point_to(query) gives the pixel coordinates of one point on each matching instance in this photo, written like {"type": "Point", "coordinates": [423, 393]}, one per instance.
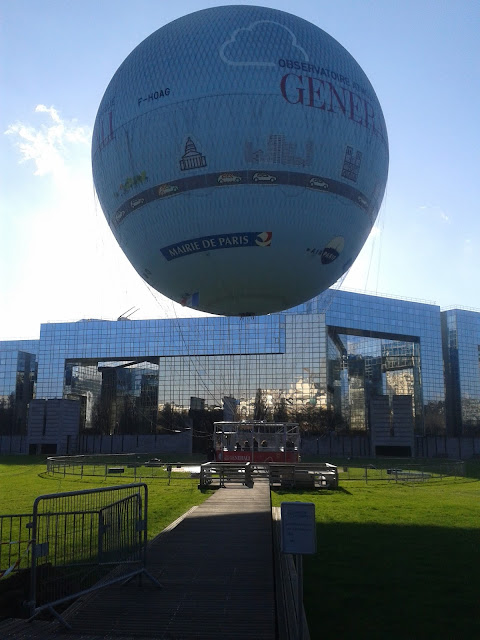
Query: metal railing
{"type": "Point", "coordinates": [293, 475]}
{"type": "Point", "coordinates": [216, 474]}
{"type": "Point", "coordinates": [15, 543]}
{"type": "Point", "coordinates": [303, 475]}
{"type": "Point", "coordinates": [402, 471]}
{"type": "Point", "coordinates": [130, 467]}
{"type": "Point", "coordinates": [86, 540]}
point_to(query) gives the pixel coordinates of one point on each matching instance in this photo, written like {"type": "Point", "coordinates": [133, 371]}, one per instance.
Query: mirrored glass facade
{"type": "Point", "coordinates": [362, 367]}
{"type": "Point", "coordinates": [461, 343]}
{"type": "Point", "coordinates": [325, 364]}
{"type": "Point", "coordinates": [412, 329]}
{"type": "Point", "coordinates": [17, 384]}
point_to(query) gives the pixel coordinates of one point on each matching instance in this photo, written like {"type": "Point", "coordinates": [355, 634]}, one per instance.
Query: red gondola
{"type": "Point", "coordinates": [256, 441]}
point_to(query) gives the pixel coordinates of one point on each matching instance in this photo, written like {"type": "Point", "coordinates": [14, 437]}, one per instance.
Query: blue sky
{"type": "Point", "coordinates": [58, 258]}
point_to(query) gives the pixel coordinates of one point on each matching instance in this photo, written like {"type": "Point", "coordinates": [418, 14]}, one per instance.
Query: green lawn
{"type": "Point", "coordinates": [23, 478]}
{"type": "Point", "coordinates": [394, 561]}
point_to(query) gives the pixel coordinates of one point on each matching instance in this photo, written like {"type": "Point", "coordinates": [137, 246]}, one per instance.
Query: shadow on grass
{"type": "Point", "coordinates": [396, 582]}
{"type": "Point", "coordinates": [472, 468]}
{"type": "Point", "coordinates": [308, 493]}
{"type": "Point", "coordinates": [343, 490]}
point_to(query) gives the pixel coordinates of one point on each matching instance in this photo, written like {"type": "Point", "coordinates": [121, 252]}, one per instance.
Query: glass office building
{"type": "Point", "coordinates": [325, 363]}
{"type": "Point", "coordinates": [18, 373]}
{"type": "Point", "coordinates": [461, 344]}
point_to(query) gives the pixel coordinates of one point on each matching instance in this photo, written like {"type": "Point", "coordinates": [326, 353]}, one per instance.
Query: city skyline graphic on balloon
{"type": "Point", "coordinates": [240, 156]}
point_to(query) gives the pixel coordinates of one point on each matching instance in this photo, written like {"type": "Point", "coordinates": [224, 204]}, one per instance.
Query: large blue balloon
{"type": "Point", "coordinates": [240, 156]}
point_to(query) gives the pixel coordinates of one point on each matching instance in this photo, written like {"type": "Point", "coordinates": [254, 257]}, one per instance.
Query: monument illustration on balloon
{"type": "Point", "coordinates": [240, 156]}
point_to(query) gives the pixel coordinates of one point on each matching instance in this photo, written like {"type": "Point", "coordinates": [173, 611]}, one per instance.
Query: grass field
{"type": "Point", "coordinates": [394, 561]}
{"type": "Point", "coordinates": [397, 561]}
{"type": "Point", "coordinates": [24, 478]}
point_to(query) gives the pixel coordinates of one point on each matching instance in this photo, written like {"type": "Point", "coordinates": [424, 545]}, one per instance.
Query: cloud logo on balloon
{"type": "Point", "coordinates": [252, 39]}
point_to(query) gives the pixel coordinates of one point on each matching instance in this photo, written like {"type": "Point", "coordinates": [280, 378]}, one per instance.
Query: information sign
{"type": "Point", "coordinates": [298, 527]}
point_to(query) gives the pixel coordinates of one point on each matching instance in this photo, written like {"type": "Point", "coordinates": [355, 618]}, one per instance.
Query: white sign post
{"type": "Point", "coordinates": [298, 537]}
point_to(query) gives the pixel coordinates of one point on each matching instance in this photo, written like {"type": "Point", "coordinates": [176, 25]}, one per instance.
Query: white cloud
{"type": "Point", "coordinates": [48, 146]}
{"type": "Point", "coordinates": [41, 108]}
{"type": "Point", "coordinates": [467, 247]}
{"type": "Point", "coordinates": [70, 266]}
{"type": "Point", "coordinates": [434, 210]}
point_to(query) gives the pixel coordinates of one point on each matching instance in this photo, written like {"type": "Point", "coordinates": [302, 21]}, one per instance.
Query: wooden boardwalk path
{"type": "Point", "coordinates": [216, 568]}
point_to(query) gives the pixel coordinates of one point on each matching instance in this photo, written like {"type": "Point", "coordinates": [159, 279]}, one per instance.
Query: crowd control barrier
{"type": "Point", "coordinates": [86, 540]}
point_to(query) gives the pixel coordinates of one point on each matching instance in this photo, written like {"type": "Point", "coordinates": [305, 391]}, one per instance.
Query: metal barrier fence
{"type": "Point", "coordinates": [294, 475]}
{"type": "Point", "coordinates": [15, 543]}
{"type": "Point", "coordinates": [216, 474]}
{"type": "Point", "coordinates": [402, 471]}
{"type": "Point", "coordinates": [301, 475]}
{"type": "Point", "coordinates": [86, 540]}
{"type": "Point", "coordinates": [132, 467]}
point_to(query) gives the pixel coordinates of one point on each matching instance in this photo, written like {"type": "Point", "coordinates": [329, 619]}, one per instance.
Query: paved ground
{"type": "Point", "coordinates": [216, 568]}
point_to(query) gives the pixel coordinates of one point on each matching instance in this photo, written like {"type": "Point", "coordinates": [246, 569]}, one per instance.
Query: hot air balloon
{"type": "Point", "coordinates": [240, 156]}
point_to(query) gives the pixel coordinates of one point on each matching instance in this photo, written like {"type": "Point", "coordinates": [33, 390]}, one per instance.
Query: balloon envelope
{"type": "Point", "coordinates": [240, 156]}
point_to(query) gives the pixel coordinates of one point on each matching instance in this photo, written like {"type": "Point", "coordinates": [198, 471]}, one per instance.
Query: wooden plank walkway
{"type": "Point", "coordinates": [216, 568]}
